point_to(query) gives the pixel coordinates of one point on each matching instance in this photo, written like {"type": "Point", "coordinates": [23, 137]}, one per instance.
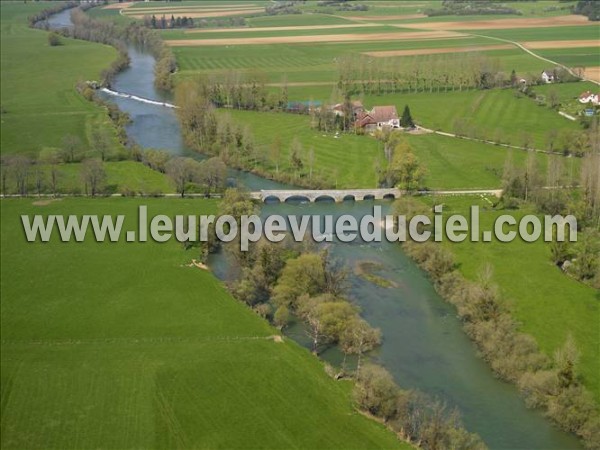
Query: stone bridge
{"type": "Point", "coordinates": [338, 195]}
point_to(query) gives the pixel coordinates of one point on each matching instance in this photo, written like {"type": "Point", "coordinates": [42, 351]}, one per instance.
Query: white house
{"type": "Point", "coordinates": [548, 76]}
{"type": "Point", "coordinates": [588, 97]}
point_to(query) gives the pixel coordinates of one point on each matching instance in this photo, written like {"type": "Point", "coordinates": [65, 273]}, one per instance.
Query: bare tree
{"type": "Point", "coordinates": [71, 146]}
{"type": "Point", "coordinates": [359, 337]}
{"type": "Point", "coordinates": [93, 175]}
{"type": "Point", "coordinates": [183, 171]}
{"type": "Point", "coordinates": [20, 166]}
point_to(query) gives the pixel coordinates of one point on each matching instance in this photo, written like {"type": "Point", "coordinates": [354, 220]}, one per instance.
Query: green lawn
{"type": "Point", "coordinates": [39, 102]}
{"type": "Point", "coordinates": [124, 346]}
{"type": "Point", "coordinates": [547, 304]}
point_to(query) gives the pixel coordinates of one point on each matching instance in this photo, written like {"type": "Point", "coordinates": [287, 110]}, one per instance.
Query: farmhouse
{"type": "Point", "coordinates": [588, 97]}
{"type": "Point", "coordinates": [357, 109]}
{"type": "Point", "coordinates": [549, 76]}
{"type": "Point", "coordinates": [379, 117]}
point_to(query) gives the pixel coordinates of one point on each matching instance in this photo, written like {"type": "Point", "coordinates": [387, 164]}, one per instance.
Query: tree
{"type": "Point", "coordinates": [52, 159]}
{"type": "Point", "coordinates": [406, 121]}
{"type": "Point", "coordinates": [553, 98]}
{"type": "Point", "coordinates": [281, 317]}
{"type": "Point", "coordinates": [212, 173]}
{"type": "Point", "coordinates": [295, 156]}
{"type": "Point", "coordinates": [182, 171]}
{"type": "Point", "coordinates": [101, 143]}
{"type": "Point", "coordinates": [376, 392]}
{"type": "Point", "coordinates": [20, 165]}
{"type": "Point", "coordinates": [302, 275]}
{"type": "Point", "coordinates": [71, 146]}
{"type": "Point", "coordinates": [405, 168]}
{"type": "Point", "coordinates": [359, 337]}
{"type": "Point", "coordinates": [93, 175]}
{"type": "Point", "coordinates": [54, 39]}
{"type": "Point", "coordinates": [565, 360]}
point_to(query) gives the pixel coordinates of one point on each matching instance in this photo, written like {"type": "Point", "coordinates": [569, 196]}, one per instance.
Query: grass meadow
{"type": "Point", "coordinates": [39, 102]}
{"type": "Point", "coordinates": [548, 304]}
{"type": "Point", "coordinates": [487, 113]}
{"type": "Point", "coordinates": [122, 345]}
{"type": "Point", "coordinates": [349, 161]}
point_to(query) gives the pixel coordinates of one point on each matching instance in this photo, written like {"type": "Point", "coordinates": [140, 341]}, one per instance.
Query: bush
{"type": "Point", "coordinates": [54, 39]}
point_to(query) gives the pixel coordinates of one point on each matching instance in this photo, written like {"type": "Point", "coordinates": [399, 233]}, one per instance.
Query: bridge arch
{"type": "Point", "coordinates": [369, 197]}
{"type": "Point", "coordinates": [325, 198]}
{"type": "Point", "coordinates": [271, 199]}
{"type": "Point", "coordinates": [349, 198]}
{"type": "Point", "coordinates": [389, 196]}
{"type": "Point", "coordinates": [299, 198]}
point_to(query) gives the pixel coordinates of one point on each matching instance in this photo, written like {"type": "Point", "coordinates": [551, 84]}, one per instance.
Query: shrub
{"type": "Point", "coordinates": [54, 39]}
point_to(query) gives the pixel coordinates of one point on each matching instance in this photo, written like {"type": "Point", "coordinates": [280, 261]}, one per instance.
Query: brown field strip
{"type": "Point", "coordinates": [592, 73]}
{"type": "Point", "coordinates": [333, 38]}
{"type": "Point", "coordinates": [534, 45]}
{"type": "Point", "coordinates": [192, 10]}
{"type": "Point", "coordinates": [434, 51]}
{"type": "Point", "coordinates": [192, 7]}
{"type": "Point", "coordinates": [201, 15]}
{"type": "Point", "coordinates": [288, 28]}
{"type": "Point", "coordinates": [541, 45]}
{"type": "Point", "coordinates": [390, 17]}
{"type": "Point", "coordinates": [500, 24]}
{"type": "Point", "coordinates": [119, 5]}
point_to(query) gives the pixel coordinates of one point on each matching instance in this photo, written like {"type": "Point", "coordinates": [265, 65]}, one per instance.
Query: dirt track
{"type": "Point", "coordinates": [288, 28]}
{"type": "Point", "coordinates": [318, 38]}
{"type": "Point", "coordinates": [500, 24]}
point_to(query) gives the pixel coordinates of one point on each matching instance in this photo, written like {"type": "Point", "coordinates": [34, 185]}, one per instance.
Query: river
{"type": "Point", "coordinates": [424, 346]}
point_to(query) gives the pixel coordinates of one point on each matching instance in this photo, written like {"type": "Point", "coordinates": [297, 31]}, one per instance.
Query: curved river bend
{"type": "Point", "coordinates": [424, 346]}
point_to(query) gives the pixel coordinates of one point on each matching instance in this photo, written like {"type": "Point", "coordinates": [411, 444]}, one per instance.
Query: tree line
{"type": "Point", "coordinates": [48, 173]}
{"type": "Point", "coordinates": [548, 194]}
{"type": "Point", "coordinates": [288, 281]}
{"type": "Point", "coordinates": [470, 8]}
{"type": "Point", "coordinates": [425, 73]}
{"type": "Point", "coordinates": [162, 23]}
{"type": "Point", "coordinates": [552, 384]}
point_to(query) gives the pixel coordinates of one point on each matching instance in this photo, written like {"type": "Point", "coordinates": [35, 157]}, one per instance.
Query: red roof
{"type": "Point", "coordinates": [384, 113]}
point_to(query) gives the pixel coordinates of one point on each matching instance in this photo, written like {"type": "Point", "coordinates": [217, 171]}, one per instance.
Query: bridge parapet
{"type": "Point", "coordinates": [338, 195]}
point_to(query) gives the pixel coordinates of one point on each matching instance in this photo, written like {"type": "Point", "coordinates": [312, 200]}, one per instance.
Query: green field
{"type": "Point", "coordinates": [349, 161]}
{"type": "Point", "coordinates": [547, 304]}
{"type": "Point", "coordinates": [296, 20]}
{"type": "Point", "coordinates": [571, 33]}
{"type": "Point", "coordinates": [39, 102]}
{"type": "Point", "coordinates": [121, 177]}
{"type": "Point", "coordinates": [575, 57]}
{"type": "Point", "coordinates": [124, 346]}
{"type": "Point", "coordinates": [487, 113]}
